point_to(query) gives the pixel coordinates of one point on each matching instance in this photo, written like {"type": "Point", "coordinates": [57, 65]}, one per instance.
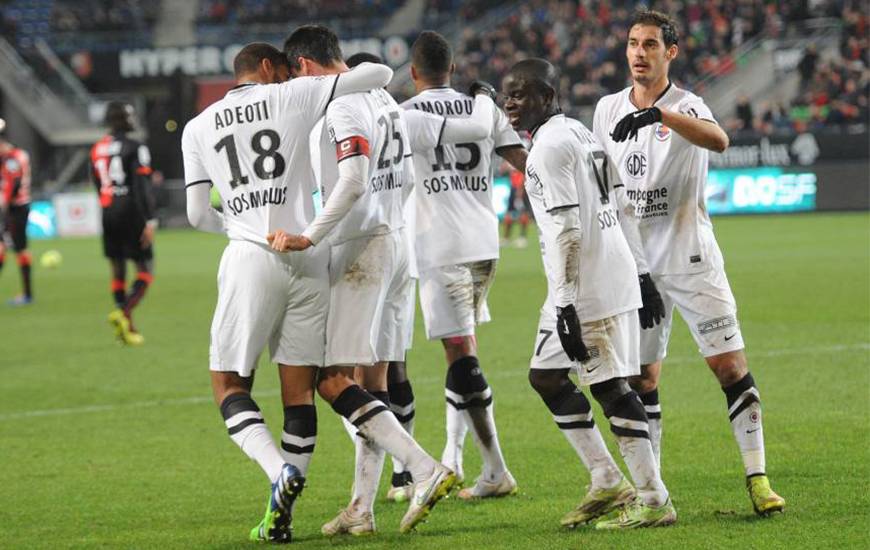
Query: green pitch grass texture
{"type": "Point", "coordinates": [103, 446]}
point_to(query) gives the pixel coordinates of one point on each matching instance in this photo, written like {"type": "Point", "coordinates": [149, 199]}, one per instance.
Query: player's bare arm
{"type": "Point", "coordinates": [516, 156]}
{"type": "Point", "coordinates": [700, 132]}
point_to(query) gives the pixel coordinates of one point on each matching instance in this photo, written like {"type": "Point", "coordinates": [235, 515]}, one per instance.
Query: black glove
{"type": "Point", "coordinates": [481, 87]}
{"type": "Point", "coordinates": [568, 327]}
{"type": "Point", "coordinates": [629, 125]}
{"type": "Point", "coordinates": [653, 310]}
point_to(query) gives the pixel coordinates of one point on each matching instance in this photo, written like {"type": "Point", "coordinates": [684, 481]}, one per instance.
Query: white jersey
{"type": "Point", "coordinates": [567, 168]}
{"type": "Point", "coordinates": [665, 175]}
{"type": "Point", "coordinates": [456, 219]}
{"type": "Point", "coordinates": [251, 144]}
{"type": "Point", "coordinates": [376, 118]}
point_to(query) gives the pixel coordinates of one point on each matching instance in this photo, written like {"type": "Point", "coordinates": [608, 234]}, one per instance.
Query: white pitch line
{"type": "Point", "coordinates": [197, 400]}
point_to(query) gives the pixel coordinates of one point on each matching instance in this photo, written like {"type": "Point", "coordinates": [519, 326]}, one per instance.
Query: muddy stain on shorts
{"type": "Point", "coordinates": [598, 335]}
{"type": "Point", "coordinates": [368, 268]}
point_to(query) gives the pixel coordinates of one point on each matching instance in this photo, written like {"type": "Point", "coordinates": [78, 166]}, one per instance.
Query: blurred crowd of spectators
{"type": "Point", "coordinates": [586, 39]}
{"type": "Point", "coordinates": [277, 11]}
{"type": "Point", "coordinates": [103, 15]}
{"type": "Point", "coordinates": [833, 91]}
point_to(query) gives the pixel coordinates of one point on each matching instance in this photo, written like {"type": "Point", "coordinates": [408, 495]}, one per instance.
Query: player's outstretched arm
{"type": "Point", "coordinates": [362, 78]}
{"type": "Point", "coordinates": [697, 131]}
{"type": "Point", "coordinates": [515, 155]}
{"type": "Point", "coordinates": [427, 130]}
{"type": "Point", "coordinates": [200, 214]}
{"type": "Point", "coordinates": [474, 128]}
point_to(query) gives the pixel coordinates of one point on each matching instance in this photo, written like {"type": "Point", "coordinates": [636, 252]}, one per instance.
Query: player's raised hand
{"type": "Point", "coordinates": [653, 310]}
{"type": "Point", "coordinates": [568, 327]}
{"type": "Point", "coordinates": [482, 87]}
{"type": "Point", "coordinates": [628, 127]}
{"type": "Point", "coordinates": [284, 242]}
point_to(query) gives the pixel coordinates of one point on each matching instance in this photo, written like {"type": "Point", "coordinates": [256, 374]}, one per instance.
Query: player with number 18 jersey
{"type": "Point", "coordinates": [253, 146]}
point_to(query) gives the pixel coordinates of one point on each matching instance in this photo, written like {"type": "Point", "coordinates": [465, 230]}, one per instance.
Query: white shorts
{"type": "Point", "coordinates": [368, 300]}
{"type": "Point", "coordinates": [612, 344]}
{"type": "Point", "coordinates": [268, 298]}
{"type": "Point", "coordinates": [706, 304]}
{"type": "Point", "coordinates": [453, 298]}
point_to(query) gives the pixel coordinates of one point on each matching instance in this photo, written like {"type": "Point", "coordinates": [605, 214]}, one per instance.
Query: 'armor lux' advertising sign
{"type": "Point", "coordinates": [794, 150]}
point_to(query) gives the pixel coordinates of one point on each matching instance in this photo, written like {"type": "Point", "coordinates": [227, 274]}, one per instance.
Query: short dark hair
{"type": "Point", "coordinates": [431, 55]}
{"type": "Point", "coordinates": [314, 42]}
{"type": "Point", "coordinates": [118, 116]}
{"type": "Point", "coordinates": [657, 19]}
{"type": "Point", "coordinates": [249, 57]}
{"type": "Point", "coordinates": [362, 57]}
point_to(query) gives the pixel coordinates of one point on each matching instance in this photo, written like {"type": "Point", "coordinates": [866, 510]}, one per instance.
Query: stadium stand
{"type": "Point", "coordinates": [586, 40]}
{"type": "Point", "coordinates": [833, 91]}
{"type": "Point", "coordinates": [272, 11]}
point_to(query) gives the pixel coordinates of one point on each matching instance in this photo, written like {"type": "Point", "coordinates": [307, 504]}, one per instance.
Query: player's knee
{"type": "Point", "coordinates": [548, 383]}
{"type": "Point", "coordinates": [225, 384]}
{"type": "Point", "coordinates": [729, 368]}
{"type": "Point", "coordinates": [610, 394]}
{"type": "Point", "coordinates": [331, 383]}
{"type": "Point", "coordinates": [642, 384]}
{"type": "Point", "coordinates": [457, 347]}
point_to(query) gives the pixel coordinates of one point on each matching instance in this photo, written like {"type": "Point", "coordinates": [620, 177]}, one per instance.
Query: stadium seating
{"type": "Point", "coordinates": [833, 92]}
{"type": "Point", "coordinates": [586, 40]}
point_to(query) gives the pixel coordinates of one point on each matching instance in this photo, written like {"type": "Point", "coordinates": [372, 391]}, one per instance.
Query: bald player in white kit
{"type": "Point", "coordinates": [253, 146]}
{"type": "Point", "coordinates": [588, 322]}
{"type": "Point", "coordinates": [659, 137]}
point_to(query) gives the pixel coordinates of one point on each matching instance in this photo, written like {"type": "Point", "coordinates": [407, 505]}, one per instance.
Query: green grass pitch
{"type": "Point", "coordinates": [107, 447]}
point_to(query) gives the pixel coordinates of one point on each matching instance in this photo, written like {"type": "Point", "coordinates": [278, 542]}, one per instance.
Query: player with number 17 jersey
{"type": "Point", "coordinates": [567, 168]}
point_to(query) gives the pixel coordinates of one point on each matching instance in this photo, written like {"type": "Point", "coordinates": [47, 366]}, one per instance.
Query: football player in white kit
{"type": "Point", "coordinates": [591, 305]}
{"type": "Point", "coordinates": [365, 182]}
{"type": "Point", "coordinates": [253, 146]}
{"type": "Point", "coordinates": [658, 136]}
{"type": "Point", "coordinates": [400, 393]}
{"type": "Point", "coordinates": [457, 251]}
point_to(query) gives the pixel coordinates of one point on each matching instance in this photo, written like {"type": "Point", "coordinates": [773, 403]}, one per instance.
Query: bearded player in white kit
{"type": "Point", "coordinates": [592, 301]}
{"type": "Point", "coordinates": [365, 180]}
{"type": "Point", "coordinates": [456, 238]}
{"type": "Point", "coordinates": [658, 136]}
{"type": "Point", "coordinates": [253, 146]}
